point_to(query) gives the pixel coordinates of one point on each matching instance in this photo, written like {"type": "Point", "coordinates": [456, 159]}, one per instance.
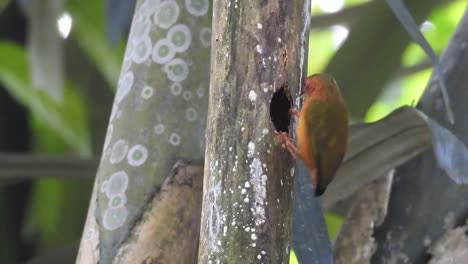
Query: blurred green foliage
{"type": "Point", "coordinates": [57, 209]}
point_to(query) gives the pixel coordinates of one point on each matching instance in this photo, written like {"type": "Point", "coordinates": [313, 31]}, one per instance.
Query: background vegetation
{"type": "Point", "coordinates": [359, 42]}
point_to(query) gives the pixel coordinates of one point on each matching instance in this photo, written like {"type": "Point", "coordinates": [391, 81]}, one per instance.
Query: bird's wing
{"type": "Point", "coordinates": [327, 126]}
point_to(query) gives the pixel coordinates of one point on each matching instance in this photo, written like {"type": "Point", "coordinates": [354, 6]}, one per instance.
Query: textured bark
{"type": "Point", "coordinates": [452, 247]}
{"type": "Point", "coordinates": [258, 47]}
{"type": "Point", "coordinates": [158, 117]}
{"type": "Point", "coordinates": [167, 231]}
{"type": "Point", "coordinates": [424, 199]}
{"type": "Point", "coordinates": [169, 228]}
{"type": "Point", "coordinates": [354, 243]}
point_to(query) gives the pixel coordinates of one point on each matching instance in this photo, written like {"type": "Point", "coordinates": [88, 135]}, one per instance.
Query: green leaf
{"type": "Point", "coordinates": [3, 4]}
{"type": "Point", "coordinates": [67, 119]}
{"type": "Point", "coordinates": [45, 47]}
{"type": "Point", "coordinates": [88, 31]}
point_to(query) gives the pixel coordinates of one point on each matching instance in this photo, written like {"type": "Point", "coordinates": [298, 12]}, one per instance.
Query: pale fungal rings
{"type": "Point", "coordinates": [167, 14]}
{"type": "Point", "coordinates": [180, 37]}
{"type": "Point", "coordinates": [174, 139]}
{"type": "Point", "coordinates": [142, 50]}
{"type": "Point", "coordinates": [147, 92]}
{"type": "Point", "coordinates": [137, 155]}
{"type": "Point", "coordinates": [187, 95]}
{"type": "Point", "coordinates": [117, 184]}
{"type": "Point", "coordinates": [117, 201]}
{"type": "Point", "coordinates": [176, 89]}
{"type": "Point", "coordinates": [163, 51]}
{"type": "Point", "coordinates": [197, 7]}
{"type": "Point", "coordinates": [148, 7]}
{"type": "Point", "coordinates": [191, 114]}
{"type": "Point", "coordinates": [141, 28]}
{"type": "Point", "coordinates": [114, 218]}
{"type": "Point", "coordinates": [159, 129]}
{"type": "Point", "coordinates": [176, 70]}
{"type": "Point", "coordinates": [205, 37]}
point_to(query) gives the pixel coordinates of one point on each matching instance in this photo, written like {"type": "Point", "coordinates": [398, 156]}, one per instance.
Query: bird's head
{"type": "Point", "coordinates": [321, 86]}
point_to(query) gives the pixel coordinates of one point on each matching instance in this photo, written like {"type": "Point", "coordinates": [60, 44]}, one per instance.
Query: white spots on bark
{"type": "Point", "coordinates": [250, 149]}
{"type": "Point", "coordinates": [247, 184]}
{"type": "Point", "coordinates": [259, 48]}
{"type": "Point", "coordinates": [252, 96]}
{"type": "Point", "coordinates": [258, 180]}
{"type": "Point", "coordinates": [214, 219]}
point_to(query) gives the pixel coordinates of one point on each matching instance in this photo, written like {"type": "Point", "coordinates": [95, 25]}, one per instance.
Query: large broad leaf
{"type": "Point", "coordinates": [68, 119]}
{"type": "Point", "coordinates": [89, 33]}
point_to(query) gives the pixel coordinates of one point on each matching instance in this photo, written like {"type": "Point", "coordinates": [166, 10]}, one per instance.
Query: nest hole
{"type": "Point", "coordinates": [279, 109]}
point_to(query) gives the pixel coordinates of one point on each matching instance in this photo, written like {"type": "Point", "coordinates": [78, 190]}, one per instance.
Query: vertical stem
{"type": "Point", "coordinates": [246, 213]}
{"type": "Point", "coordinates": [158, 117]}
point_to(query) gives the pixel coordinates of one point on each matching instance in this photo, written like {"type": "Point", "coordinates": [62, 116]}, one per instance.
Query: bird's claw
{"type": "Point", "coordinates": [287, 143]}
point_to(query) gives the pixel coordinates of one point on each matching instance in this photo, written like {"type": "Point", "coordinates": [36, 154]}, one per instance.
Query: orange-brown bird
{"type": "Point", "coordinates": [322, 130]}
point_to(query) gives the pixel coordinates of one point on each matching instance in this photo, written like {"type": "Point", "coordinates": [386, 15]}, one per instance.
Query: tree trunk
{"type": "Point", "coordinates": [259, 46]}
{"type": "Point", "coordinates": [158, 117]}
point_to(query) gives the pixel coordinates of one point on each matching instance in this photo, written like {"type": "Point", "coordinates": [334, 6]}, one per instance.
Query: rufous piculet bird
{"type": "Point", "coordinates": [322, 130]}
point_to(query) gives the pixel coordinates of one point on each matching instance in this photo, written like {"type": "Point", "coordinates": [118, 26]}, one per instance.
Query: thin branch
{"type": "Point", "coordinates": [31, 166]}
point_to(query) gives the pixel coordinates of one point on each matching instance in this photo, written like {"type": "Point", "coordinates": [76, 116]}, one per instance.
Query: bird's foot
{"type": "Point", "coordinates": [293, 112]}
{"type": "Point", "coordinates": [287, 143]}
